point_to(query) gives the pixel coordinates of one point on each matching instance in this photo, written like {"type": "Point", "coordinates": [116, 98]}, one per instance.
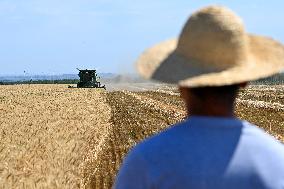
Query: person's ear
{"type": "Point", "coordinates": [243, 85]}
{"type": "Point", "coordinates": [183, 92]}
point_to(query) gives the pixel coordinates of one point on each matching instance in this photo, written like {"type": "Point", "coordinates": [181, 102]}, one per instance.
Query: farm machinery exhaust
{"type": "Point", "coordinates": [88, 79]}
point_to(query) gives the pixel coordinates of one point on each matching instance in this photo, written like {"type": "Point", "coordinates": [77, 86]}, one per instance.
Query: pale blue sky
{"type": "Point", "coordinates": [57, 36]}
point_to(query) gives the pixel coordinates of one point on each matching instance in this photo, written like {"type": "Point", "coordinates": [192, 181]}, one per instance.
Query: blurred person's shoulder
{"type": "Point", "coordinates": [259, 140]}
{"type": "Point", "coordinates": [165, 140]}
{"type": "Point", "coordinates": [174, 137]}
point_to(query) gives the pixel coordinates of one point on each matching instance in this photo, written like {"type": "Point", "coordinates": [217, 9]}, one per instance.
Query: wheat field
{"type": "Point", "coordinates": [48, 135]}
{"type": "Point", "coordinates": [55, 137]}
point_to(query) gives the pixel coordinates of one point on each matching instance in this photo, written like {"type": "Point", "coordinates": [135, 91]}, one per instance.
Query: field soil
{"type": "Point", "coordinates": [55, 137]}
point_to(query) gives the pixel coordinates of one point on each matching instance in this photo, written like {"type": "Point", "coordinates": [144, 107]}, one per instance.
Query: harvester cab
{"type": "Point", "coordinates": [89, 79]}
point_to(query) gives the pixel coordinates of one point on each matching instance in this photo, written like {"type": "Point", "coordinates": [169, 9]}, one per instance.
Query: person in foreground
{"type": "Point", "coordinates": [210, 61]}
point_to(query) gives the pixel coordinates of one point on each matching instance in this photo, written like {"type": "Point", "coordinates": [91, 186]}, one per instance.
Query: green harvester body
{"type": "Point", "coordinates": [89, 79]}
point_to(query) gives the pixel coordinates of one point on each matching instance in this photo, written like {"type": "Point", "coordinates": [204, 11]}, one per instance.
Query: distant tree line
{"type": "Point", "coordinates": [61, 81]}
{"type": "Point", "coordinates": [273, 80]}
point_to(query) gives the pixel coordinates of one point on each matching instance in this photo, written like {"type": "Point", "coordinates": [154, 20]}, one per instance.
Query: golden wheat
{"type": "Point", "coordinates": [49, 135]}
{"type": "Point", "coordinates": [55, 137]}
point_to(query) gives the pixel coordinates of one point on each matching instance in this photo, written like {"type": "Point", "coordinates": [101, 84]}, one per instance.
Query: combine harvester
{"type": "Point", "coordinates": [88, 79]}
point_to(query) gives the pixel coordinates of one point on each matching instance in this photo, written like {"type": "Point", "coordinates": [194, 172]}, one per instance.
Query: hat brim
{"type": "Point", "coordinates": [163, 63]}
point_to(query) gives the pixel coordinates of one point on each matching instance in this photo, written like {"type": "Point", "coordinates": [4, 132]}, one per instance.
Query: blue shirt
{"type": "Point", "coordinates": [205, 152]}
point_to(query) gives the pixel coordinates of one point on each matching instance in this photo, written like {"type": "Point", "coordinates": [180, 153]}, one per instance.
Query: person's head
{"type": "Point", "coordinates": [213, 49]}
{"type": "Point", "coordinates": [214, 101]}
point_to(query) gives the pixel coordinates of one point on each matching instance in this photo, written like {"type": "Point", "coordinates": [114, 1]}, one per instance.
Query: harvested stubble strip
{"type": "Point", "coordinates": [158, 105]}
{"type": "Point", "coordinates": [46, 131]}
{"type": "Point", "coordinates": [267, 115]}
{"type": "Point", "coordinates": [136, 116]}
{"type": "Point", "coordinates": [132, 122]}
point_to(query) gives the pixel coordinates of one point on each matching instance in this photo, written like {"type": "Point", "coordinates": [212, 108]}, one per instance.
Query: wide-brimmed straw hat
{"type": "Point", "coordinates": [213, 49]}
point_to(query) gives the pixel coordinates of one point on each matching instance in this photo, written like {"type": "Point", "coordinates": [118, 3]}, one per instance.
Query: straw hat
{"type": "Point", "coordinates": [213, 49]}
